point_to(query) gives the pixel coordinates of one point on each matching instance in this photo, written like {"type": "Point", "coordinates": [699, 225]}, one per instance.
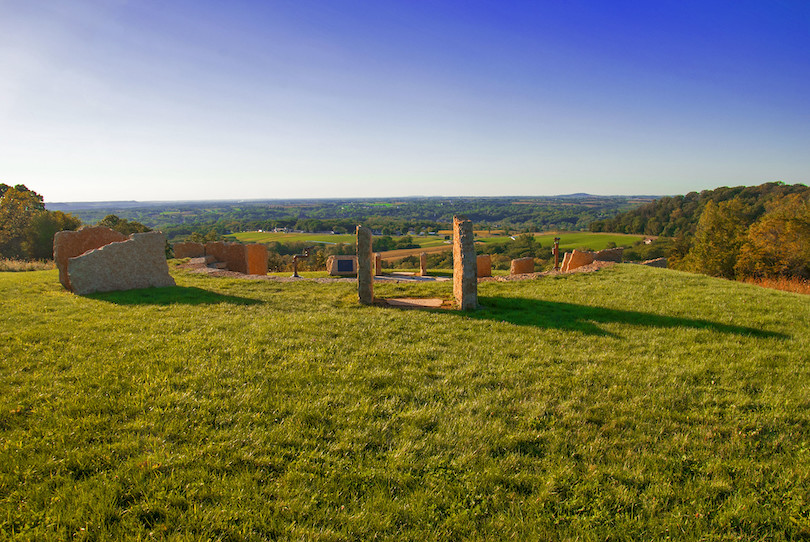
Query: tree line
{"type": "Point", "coordinates": [741, 232]}
{"type": "Point", "coordinates": [27, 228]}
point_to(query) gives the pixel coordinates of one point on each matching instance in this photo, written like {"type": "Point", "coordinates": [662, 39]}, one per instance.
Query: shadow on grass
{"type": "Point", "coordinates": [169, 296]}
{"type": "Point", "coordinates": [585, 319]}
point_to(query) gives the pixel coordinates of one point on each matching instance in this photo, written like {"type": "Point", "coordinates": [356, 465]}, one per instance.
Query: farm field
{"type": "Point", "coordinates": [266, 237]}
{"type": "Point", "coordinates": [577, 239]}
{"type": "Point", "coordinates": [628, 404]}
{"type": "Point", "coordinates": [436, 243]}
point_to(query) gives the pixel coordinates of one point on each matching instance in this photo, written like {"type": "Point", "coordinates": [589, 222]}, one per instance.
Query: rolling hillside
{"type": "Point", "coordinates": [631, 403]}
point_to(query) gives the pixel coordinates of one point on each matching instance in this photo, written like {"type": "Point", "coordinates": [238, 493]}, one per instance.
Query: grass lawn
{"type": "Point", "coordinates": [577, 239]}
{"type": "Point", "coordinates": [629, 404]}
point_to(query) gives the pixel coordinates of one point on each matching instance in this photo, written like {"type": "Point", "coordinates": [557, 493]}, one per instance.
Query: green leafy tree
{"type": "Point", "coordinates": [18, 205]}
{"type": "Point", "coordinates": [121, 225]}
{"type": "Point", "coordinates": [778, 244]}
{"type": "Point", "coordinates": [38, 242]}
{"type": "Point", "coordinates": [719, 235]}
{"type": "Point", "coordinates": [26, 227]}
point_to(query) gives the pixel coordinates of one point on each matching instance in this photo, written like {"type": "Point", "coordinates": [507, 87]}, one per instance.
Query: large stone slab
{"type": "Point", "coordinates": [609, 255]}
{"type": "Point", "coordinates": [256, 259]}
{"type": "Point", "coordinates": [341, 265]}
{"type": "Point", "coordinates": [484, 265]}
{"type": "Point", "coordinates": [217, 250]}
{"type": "Point", "coordinates": [365, 261]}
{"type": "Point", "coordinates": [236, 257]}
{"type": "Point", "coordinates": [423, 264]}
{"type": "Point", "coordinates": [522, 266]}
{"type": "Point", "coordinates": [69, 244]}
{"type": "Point", "coordinates": [465, 279]}
{"type": "Point", "coordinates": [577, 259]}
{"type": "Point", "coordinates": [137, 262]}
{"type": "Point", "coordinates": [189, 250]}
{"type": "Point", "coordinates": [658, 262]}
{"type": "Point", "coordinates": [566, 259]}
{"type": "Point", "coordinates": [378, 264]}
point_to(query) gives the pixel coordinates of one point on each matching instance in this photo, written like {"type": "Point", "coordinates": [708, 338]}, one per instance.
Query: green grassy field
{"type": "Point", "coordinates": [568, 240]}
{"type": "Point", "coordinates": [266, 237]}
{"type": "Point", "coordinates": [628, 404]}
{"type": "Point", "coordinates": [572, 240]}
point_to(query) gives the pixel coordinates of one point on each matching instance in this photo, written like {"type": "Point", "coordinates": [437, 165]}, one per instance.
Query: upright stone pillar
{"type": "Point", "coordinates": [465, 280]}
{"type": "Point", "coordinates": [365, 260]}
{"type": "Point", "coordinates": [423, 264]}
{"type": "Point", "coordinates": [377, 264]}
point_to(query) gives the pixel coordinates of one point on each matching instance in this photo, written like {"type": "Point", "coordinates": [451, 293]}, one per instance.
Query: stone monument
{"type": "Point", "coordinates": [189, 250]}
{"type": "Point", "coordinates": [465, 280]}
{"type": "Point", "coordinates": [341, 265]}
{"type": "Point", "coordinates": [378, 264]}
{"type": "Point", "coordinates": [423, 264]}
{"type": "Point", "coordinates": [137, 262]}
{"type": "Point", "coordinates": [577, 258]}
{"type": "Point", "coordinates": [521, 266]}
{"type": "Point", "coordinates": [484, 265]}
{"type": "Point", "coordinates": [365, 275]}
{"type": "Point", "coordinates": [69, 244]}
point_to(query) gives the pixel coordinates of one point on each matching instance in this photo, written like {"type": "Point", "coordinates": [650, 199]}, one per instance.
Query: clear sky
{"type": "Point", "coordinates": [203, 99]}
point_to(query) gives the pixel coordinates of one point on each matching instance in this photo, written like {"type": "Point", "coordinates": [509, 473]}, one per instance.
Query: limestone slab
{"type": "Point", "coordinates": [137, 262]}
{"type": "Point", "coordinates": [521, 266]}
{"type": "Point", "coordinates": [256, 259]}
{"type": "Point", "coordinates": [578, 258]}
{"type": "Point", "coordinates": [484, 265]}
{"type": "Point", "coordinates": [69, 244]}
{"type": "Point", "coordinates": [365, 260]}
{"type": "Point", "coordinates": [465, 279]}
{"type": "Point", "coordinates": [189, 250]}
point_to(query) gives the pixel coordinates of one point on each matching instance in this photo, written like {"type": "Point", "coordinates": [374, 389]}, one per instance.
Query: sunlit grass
{"type": "Point", "coordinates": [632, 403]}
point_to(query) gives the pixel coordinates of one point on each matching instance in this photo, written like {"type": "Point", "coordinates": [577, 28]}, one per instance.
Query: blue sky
{"type": "Point", "coordinates": [163, 100]}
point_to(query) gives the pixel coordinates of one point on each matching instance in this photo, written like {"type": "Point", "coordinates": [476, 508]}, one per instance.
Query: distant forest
{"type": "Point", "coordinates": [672, 216]}
{"type": "Point", "coordinates": [739, 232]}
{"type": "Point", "coordinates": [390, 216]}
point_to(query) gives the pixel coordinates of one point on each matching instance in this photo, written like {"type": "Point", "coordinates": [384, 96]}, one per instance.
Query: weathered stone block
{"type": "Point", "coordinates": [566, 259]}
{"type": "Point", "coordinates": [256, 259]}
{"type": "Point", "coordinates": [236, 257]}
{"type": "Point", "coordinates": [484, 265]}
{"type": "Point", "coordinates": [137, 262]}
{"type": "Point", "coordinates": [189, 250]}
{"type": "Point", "coordinates": [578, 259]}
{"type": "Point", "coordinates": [217, 250]}
{"type": "Point", "coordinates": [609, 255]}
{"type": "Point", "coordinates": [658, 262]}
{"type": "Point", "coordinates": [521, 266]}
{"type": "Point", "coordinates": [378, 264]}
{"type": "Point", "coordinates": [465, 280]}
{"type": "Point", "coordinates": [423, 264]}
{"type": "Point", "coordinates": [69, 244]}
{"type": "Point", "coordinates": [365, 277]}
{"type": "Point", "coordinates": [341, 265]}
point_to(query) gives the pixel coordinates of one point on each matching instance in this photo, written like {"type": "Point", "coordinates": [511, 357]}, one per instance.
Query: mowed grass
{"type": "Point", "coordinates": [628, 404]}
{"type": "Point", "coordinates": [578, 240]}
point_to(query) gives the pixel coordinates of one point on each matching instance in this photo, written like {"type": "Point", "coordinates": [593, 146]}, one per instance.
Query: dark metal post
{"type": "Point", "coordinates": [295, 261]}
{"type": "Point", "coordinates": [556, 254]}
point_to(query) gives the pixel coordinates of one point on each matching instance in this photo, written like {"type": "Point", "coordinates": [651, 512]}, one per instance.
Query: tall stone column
{"type": "Point", "coordinates": [378, 264]}
{"type": "Point", "coordinates": [365, 271]}
{"type": "Point", "coordinates": [465, 280]}
{"type": "Point", "coordinates": [423, 264]}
